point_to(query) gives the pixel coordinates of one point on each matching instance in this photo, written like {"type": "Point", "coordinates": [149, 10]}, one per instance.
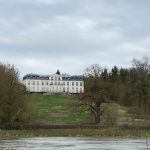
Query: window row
{"type": "Point", "coordinates": [55, 78]}
{"type": "Point", "coordinates": [73, 90]}
{"type": "Point", "coordinates": [55, 83]}
{"type": "Point", "coordinates": [46, 89]}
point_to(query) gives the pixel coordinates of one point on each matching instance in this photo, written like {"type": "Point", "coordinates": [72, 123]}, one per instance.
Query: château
{"type": "Point", "coordinates": [55, 83]}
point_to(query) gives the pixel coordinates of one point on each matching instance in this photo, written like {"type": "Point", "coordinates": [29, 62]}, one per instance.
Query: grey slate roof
{"type": "Point", "coordinates": [46, 77]}
{"type": "Point", "coordinates": [73, 78]}
{"type": "Point", "coordinates": [36, 77]}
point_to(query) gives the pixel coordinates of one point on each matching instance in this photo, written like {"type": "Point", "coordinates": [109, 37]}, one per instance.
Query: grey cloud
{"type": "Point", "coordinates": [72, 34]}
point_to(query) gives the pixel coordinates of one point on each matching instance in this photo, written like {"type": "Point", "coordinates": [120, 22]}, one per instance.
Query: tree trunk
{"type": "Point", "coordinates": [97, 115]}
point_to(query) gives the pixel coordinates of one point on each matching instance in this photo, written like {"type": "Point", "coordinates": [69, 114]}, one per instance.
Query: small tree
{"type": "Point", "coordinates": [96, 91]}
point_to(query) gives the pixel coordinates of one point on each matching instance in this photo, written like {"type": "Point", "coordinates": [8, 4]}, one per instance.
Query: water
{"type": "Point", "coordinates": [73, 143]}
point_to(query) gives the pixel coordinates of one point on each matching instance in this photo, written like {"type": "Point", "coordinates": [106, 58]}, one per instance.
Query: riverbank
{"type": "Point", "coordinates": [112, 132]}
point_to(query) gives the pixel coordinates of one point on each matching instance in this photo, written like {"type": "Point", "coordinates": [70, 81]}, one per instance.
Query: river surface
{"type": "Point", "coordinates": [74, 143]}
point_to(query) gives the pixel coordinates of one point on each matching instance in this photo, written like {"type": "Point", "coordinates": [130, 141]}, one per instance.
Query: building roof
{"type": "Point", "coordinates": [46, 77]}
{"type": "Point", "coordinates": [36, 77]}
{"type": "Point", "coordinates": [73, 78]}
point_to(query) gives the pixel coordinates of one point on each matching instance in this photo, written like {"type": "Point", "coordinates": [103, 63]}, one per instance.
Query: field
{"type": "Point", "coordinates": [62, 109]}
{"type": "Point", "coordinates": [56, 109]}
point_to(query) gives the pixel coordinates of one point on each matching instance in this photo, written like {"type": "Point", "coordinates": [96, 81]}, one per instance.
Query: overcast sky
{"type": "Point", "coordinates": [41, 36]}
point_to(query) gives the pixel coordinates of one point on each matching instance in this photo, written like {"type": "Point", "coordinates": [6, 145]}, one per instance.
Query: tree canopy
{"type": "Point", "coordinates": [11, 94]}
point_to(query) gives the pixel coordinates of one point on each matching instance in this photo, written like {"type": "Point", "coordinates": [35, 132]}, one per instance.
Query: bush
{"type": "Point", "coordinates": [110, 115]}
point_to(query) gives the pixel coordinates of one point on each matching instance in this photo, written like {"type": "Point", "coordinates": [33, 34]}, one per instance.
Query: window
{"type": "Point", "coordinates": [58, 83]}
{"type": "Point", "coordinates": [72, 83]}
{"type": "Point", "coordinates": [68, 89]}
{"type": "Point", "coordinates": [80, 90]}
{"type": "Point", "coordinates": [76, 83]}
{"type": "Point", "coordinates": [63, 89]}
{"type": "Point", "coordinates": [55, 78]}
{"type": "Point", "coordinates": [47, 83]}
{"type": "Point", "coordinates": [72, 90]}
{"type": "Point", "coordinates": [81, 84]}
{"type": "Point", "coordinates": [42, 82]}
{"type": "Point", "coordinates": [28, 82]}
{"type": "Point", "coordinates": [58, 78]}
{"type": "Point", "coordinates": [38, 83]}
{"type": "Point", "coordinates": [33, 89]}
{"type": "Point", "coordinates": [63, 83]}
{"type": "Point", "coordinates": [76, 90]}
{"type": "Point", "coordinates": [68, 83]}
{"type": "Point", "coordinates": [37, 89]}
{"type": "Point", "coordinates": [43, 89]}
{"type": "Point", "coordinates": [28, 88]}
{"type": "Point", "coordinates": [33, 82]}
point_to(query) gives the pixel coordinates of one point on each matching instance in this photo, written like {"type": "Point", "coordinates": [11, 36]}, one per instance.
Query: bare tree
{"type": "Point", "coordinates": [96, 91]}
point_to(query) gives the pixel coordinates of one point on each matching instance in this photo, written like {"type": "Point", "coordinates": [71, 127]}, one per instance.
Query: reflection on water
{"type": "Point", "coordinates": [71, 143]}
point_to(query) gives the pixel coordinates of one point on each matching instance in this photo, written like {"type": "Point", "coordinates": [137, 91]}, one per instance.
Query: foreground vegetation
{"type": "Point", "coordinates": [110, 132]}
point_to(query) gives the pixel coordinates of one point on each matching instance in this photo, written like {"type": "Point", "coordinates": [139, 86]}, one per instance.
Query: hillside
{"type": "Point", "coordinates": [61, 109]}
{"type": "Point", "coordinates": [56, 109]}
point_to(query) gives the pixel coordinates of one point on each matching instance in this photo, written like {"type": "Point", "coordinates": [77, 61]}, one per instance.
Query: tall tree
{"type": "Point", "coordinates": [140, 83]}
{"type": "Point", "coordinates": [96, 91]}
{"type": "Point", "coordinates": [114, 74]}
{"type": "Point", "coordinates": [11, 94]}
{"type": "Point", "coordinates": [123, 75]}
{"type": "Point", "coordinates": [105, 74]}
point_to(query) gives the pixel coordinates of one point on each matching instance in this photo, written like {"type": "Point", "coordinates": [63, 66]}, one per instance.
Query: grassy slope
{"type": "Point", "coordinates": [56, 109]}
{"type": "Point", "coordinates": [60, 109]}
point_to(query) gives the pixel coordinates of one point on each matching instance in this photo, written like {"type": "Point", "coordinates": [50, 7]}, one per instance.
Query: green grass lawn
{"type": "Point", "coordinates": [56, 109]}
{"type": "Point", "coordinates": [61, 109]}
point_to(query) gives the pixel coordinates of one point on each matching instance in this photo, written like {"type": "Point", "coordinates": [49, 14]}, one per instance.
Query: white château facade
{"type": "Point", "coordinates": [55, 83]}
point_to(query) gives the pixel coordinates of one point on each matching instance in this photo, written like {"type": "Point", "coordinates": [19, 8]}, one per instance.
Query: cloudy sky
{"type": "Point", "coordinates": [41, 36]}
